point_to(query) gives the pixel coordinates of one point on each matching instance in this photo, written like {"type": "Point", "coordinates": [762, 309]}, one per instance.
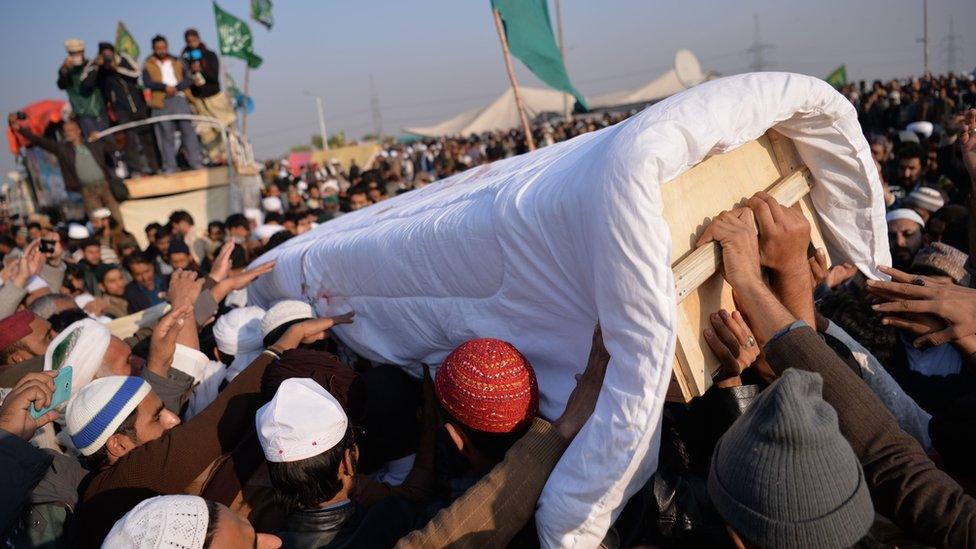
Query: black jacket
{"type": "Point", "coordinates": [65, 153]}
{"type": "Point", "coordinates": [210, 69]}
{"type": "Point", "coordinates": [120, 88]}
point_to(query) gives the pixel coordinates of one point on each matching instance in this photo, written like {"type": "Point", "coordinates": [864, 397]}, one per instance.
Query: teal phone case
{"type": "Point", "coordinates": [62, 392]}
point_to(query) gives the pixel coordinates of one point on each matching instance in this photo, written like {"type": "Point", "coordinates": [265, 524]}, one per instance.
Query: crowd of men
{"type": "Point", "coordinates": [842, 413]}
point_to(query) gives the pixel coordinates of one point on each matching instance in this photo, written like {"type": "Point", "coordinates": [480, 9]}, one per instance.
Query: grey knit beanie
{"type": "Point", "coordinates": [784, 476]}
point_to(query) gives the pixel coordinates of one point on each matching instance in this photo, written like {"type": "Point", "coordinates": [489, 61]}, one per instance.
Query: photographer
{"type": "Point", "coordinates": [118, 80]}
{"type": "Point", "coordinates": [207, 98]}
{"type": "Point", "coordinates": [76, 76]}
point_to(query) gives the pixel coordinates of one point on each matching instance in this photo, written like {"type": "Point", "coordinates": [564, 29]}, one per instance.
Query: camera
{"type": "Point", "coordinates": [194, 55]}
{"type": "Point", "coordinates": [47, 246]}
{"type": "Point", "coordinates": [21, 115]}
{"type": "Point", "coordinates": [108, 58]}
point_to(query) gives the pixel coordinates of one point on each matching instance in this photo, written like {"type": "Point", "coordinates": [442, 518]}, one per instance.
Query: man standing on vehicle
{"type": "Point", "coordinates": [165, 76]}
{"type": "Point", "coordinates": [77, 77]}
{"type": "Point", "coordinates": [207, 99]}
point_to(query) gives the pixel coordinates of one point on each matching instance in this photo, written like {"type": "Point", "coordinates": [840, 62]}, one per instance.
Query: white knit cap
{"type": "Point", "coordinates": [101, 213]}
{"type": "Point", "coordinates": [905, 213]}
{"type": "Point", "coordinates": [264, 232]}
{"type": "Point", "coordinates": [301, 421]}
{"type": "Point", "coordinates": [285, 311]}
{"type": "Point", "coordinates": [272, 204]}
{"type": "Point", "coordinates": [162, 522]}
{"type": "Point", "coordinates": [927, 198]}
{"type": "Point", "coordinates": [331, 184]}
{"type": "Point", "coordinates": [254, 214]}
{"type": "Point", "coordinates": [77, 231]}
{"type": "Point", "coordinates": [82, 346]}
{"type": "Point", "coordinates": [239, 330]}
{"type": "Point", "coordinates": [95, 413]}
{"type": "Point", "coordinates": [922, 127]}
{"type": "Point", "coordinates": [35, 283]}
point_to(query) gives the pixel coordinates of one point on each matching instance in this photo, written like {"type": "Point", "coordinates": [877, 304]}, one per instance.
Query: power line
{"type": "Point", "coordinates": [758, 47]}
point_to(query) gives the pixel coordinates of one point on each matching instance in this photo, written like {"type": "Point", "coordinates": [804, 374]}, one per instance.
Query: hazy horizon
{"type": "Point", "coordinates": [433, 61]}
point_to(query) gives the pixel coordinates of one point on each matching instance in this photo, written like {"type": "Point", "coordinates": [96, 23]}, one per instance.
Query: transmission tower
{"type": "Point", "coordinates": [952, 48]}
{"type": "Point", "coordinates": [758, 47]}
{"type": "Point", "coordinates": [374, 105]}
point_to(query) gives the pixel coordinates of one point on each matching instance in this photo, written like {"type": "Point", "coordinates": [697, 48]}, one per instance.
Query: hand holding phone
{"type": "Point", "coordinates": [62, 392]}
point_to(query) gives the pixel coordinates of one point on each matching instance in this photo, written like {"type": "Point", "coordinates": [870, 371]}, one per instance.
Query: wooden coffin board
{"type": "Point", "coordinates": [179, 182]}
{"type": "Point", "coordinates": [719, 183]}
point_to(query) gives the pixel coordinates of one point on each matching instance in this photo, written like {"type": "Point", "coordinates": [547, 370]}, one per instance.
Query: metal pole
{"type": "Point", "coordinates": [925, 32]}
{"type": "Point", "coordinates": [247, 95]}
{"type": "Point", "coordinates": [325, 137]}
{"type": "Point", "coordinates": [529, 140]}
{"type": "Point", "coordinates": [567, 112]}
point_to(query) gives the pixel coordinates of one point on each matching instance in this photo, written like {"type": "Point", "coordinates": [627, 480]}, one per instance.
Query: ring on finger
{"type": "Point", "coordinates": [750, 342]}
{"type": "Point", "coordinates": [919, 281]}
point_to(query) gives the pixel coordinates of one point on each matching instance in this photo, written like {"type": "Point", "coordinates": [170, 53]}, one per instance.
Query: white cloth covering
{"type": "Point", "coordinates": [537, 248]}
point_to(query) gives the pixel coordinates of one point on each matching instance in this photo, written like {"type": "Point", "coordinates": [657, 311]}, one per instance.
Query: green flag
{"type": "Point", "coordinates": [838, 78]}
{"type": "Point", "coordinates": [530, 38]}
{"type": "Point", "coordinates": [261, 12]}
{"type": "Point", "coordinates": [235, 38]}
{"type": "Point", "coordinates": [125, 43]}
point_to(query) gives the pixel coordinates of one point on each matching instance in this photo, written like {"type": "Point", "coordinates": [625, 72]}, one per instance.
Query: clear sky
{"type": "Point", "coordinates": [431, 59]}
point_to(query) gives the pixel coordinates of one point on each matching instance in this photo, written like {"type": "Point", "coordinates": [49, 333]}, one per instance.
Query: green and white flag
{"type": "Point", "coordinates": [838, 78]}
{"type": "Point", "coordinates": [235, 38]}
{"type": "Point", "coordinates": [125, 43]}
{"type": "Point", "coordinates": [261, 12]}
{"type": "Point", "coordinates": [530, 38]}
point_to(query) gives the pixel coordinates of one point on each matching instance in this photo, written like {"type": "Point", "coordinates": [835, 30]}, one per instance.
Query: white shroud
{"type": "Point", "coordinates": [535, 249]}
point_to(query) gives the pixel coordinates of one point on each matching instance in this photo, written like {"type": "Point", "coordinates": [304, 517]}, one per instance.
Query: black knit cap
{"type": "Point", "coordinates": [784, 476]}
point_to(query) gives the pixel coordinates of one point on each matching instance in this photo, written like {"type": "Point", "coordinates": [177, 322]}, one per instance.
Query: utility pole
{"type": "Point", "coordinates": [925, 36]}
{"type": "Point", "coordinates": [318, 104]}
{"type": "Point", "coordinates": [567, 111]}
{"type": "Point", "coordinates": [758, 47]}
{"type": "Point", "coordinates": [374, 105]}
{"type": "Point", "coordinates": [952, 48]}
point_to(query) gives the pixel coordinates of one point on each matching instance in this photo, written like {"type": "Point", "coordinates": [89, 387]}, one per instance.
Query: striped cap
{"type": "Point", "coordinates": [95, 413]}
{"type": "Point", "coordinates": [488, 385]}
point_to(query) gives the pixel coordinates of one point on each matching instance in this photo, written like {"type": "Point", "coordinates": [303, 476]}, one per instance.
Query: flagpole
{"type": "Point", "coordinates": [567, 113]}
{"type": "Point", "coordinates": [247, 94]}
{"type": "Point", "coordinates": [529, 140]}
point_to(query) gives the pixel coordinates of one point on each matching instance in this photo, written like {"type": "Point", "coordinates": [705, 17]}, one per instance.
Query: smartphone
{"type": "Point", "coordinates": [62, 392]}
{"type": "Point", "coordinates": [47, 246]}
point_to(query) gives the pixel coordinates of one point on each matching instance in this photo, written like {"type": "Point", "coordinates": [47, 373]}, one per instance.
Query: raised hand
{"type": "Point", "coordinates": [221, 265]}
{"type": "Point", "coordinates": [967, 143]}
{"type": "Point", "coordinates": [732, 342]}
{"type": "Point", "coordinates": [162, 346]}
{"type": "Point", "coordinates": [735, 232]}
{"type": "Point", "coordinates": [311, 330]}
{"type": "Point", "coordinates": [33, 389]}
{"type": "Point", "coordinates": [954, 305]}
{"type": "Point", "coordinates": [240, 281]}
{"type": "Point", "coordinates": [784, 235]}
{"type": "Point", "coordinates": [582, 401]}
{"type": "Point", "coordinates": [184, 288]}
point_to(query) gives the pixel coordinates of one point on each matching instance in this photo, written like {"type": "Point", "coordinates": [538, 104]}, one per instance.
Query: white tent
{"type": "Point", "coordinates": [663, 86]}
{"type": "Point", "coordinates": [500, 114]}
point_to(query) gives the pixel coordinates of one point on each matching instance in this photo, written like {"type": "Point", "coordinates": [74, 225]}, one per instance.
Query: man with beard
{"type": "Point", "coordinates": [904, 236]}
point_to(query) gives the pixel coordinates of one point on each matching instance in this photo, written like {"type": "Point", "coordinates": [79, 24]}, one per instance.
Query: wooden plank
{"type": "Point", "coordinates": [720, 182]}
{"type": "Point", "coordinates": [179, 182]}
{"type": "Point", "coordinates": [692, 271]}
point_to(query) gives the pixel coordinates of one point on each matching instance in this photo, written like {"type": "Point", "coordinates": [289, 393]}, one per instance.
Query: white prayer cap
{"type": "Point", "coordinates": [905, 213]}
{"type": "Point", "coordinates": [283, 312]}
{"type": "Point", "coordinates": [264, 232]}
{"type": "Point", "coordinates": [101, 213]}
{"type": "Point", "coordinates": [95, 413]}
{"type": "Point", "coordinates": [331, 184]}
{"type": "Point", "coordinates": [77, 231]}
{"type": "Point", "coordinates": [922, 127]}
{"type": "Point", "coordinates": [82, 346]}
{"type": "Point", "coordinates": [35, 283]}
{"type": "Point", "coordinates": [272, 204]}
{"type": "Point", "coordinates": [927, 198]}
{"type": "Point", "coordinates": [254, 214]}
{"type": "Point", "coordinates": [239, 330]}
{"type": "Point", "coordinates": [301, 421]}
{"type": "Point", "coordinates": [162, 522]}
